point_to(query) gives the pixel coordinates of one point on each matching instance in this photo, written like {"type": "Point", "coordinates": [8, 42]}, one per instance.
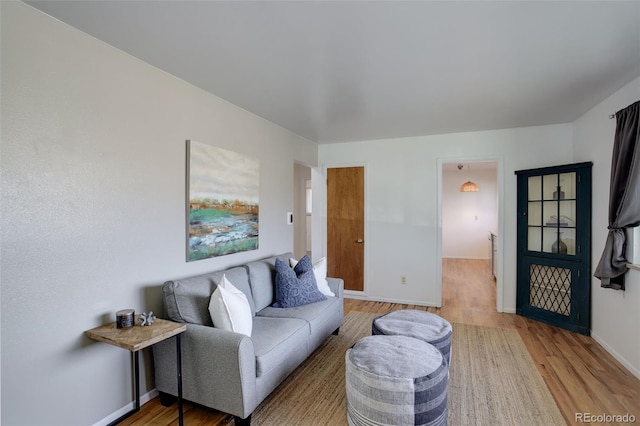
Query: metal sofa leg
{"type": "Point", "coordinates": [166, 400]}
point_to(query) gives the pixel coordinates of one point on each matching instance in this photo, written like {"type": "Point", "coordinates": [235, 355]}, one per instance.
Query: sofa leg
{"type": "Point", "coordinates": [166, 400]}
{"type": "Point", "coordinates": [336, 331]}
{"type": "Point", "coordinates": [242, 422]}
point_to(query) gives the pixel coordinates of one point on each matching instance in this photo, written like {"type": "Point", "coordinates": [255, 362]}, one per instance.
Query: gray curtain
{"type": "Point", "coordinates": [624, 196]}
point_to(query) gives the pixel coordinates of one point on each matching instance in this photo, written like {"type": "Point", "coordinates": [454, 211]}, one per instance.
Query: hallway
{"type": "Point", "coordinates": [468, 283]}
{"type": "Point", "coordinates": [469, 293]}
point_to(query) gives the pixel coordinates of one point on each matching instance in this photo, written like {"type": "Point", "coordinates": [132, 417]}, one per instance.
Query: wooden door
{"type": "Point", "coordinates": [345, 226]}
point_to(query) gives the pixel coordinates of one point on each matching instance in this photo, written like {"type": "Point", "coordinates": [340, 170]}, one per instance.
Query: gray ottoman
{"type": "Point", "coordinates": [422, 325]}
{"type": "Point", "coordinates": [395, 380]}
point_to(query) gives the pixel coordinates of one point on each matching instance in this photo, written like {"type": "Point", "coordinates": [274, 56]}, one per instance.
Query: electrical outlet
{"type": "Point", "coordinates": [403, 280]}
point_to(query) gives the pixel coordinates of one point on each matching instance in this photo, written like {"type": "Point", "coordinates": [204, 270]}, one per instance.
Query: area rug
{"type": "Point", "coordinates": [493, 381]}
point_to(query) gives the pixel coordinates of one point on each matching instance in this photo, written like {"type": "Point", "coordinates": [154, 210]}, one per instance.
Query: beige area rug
{"type": "Point", "coordinates": [493, 381]}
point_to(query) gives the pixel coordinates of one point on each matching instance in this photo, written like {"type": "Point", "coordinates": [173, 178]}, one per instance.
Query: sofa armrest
{"type": "Point", "coordinates": [218, 369]}
{"type": "Point", "coordinates": [337, 286]}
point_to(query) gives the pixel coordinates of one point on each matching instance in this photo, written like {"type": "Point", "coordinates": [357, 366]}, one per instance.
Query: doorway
{"type": "Point", "coordinates": [302, 211]}
{"type": "Point", "coordinates": [469, 219]}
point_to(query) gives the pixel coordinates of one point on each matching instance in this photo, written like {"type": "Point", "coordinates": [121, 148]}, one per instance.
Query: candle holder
{"type": "Point", "coordinates": [125, 318]}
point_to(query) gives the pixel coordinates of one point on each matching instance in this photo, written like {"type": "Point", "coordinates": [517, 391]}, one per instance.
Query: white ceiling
{"type": "Point", "coordinates": [358, 70]}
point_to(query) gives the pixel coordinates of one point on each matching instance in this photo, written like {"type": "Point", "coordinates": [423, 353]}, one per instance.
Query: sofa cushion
{"type": "Point", "coordinates": [230, 309]}
{"type": "Point", "coordinates": [274, 339]}
{"type": "Point", "coordinates": [297, 286]}
{"type": "Point", "coordinates": [310, 313]}
{"type": "Point", "coordinates": [187, 300]}
{"type": "Point", "coordinates": [262, 277]}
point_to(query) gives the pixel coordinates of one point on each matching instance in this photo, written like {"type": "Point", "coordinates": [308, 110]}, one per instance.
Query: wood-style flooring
{"type": "Point", "coordinates": [581, 375]}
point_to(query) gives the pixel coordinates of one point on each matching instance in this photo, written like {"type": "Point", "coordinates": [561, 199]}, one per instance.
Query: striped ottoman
{"type": "Point", "coordinates": [422, 325]}
{"type": "Point", "coordinates": [395, 380]}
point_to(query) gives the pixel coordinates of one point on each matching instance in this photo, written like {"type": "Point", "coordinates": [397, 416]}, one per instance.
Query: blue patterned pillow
{"type": "Point", "coordinates": [303, 265]}
{"type": "Point", "coordinates": [296, 287]}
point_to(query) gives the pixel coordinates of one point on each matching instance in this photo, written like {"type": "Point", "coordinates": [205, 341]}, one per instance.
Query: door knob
{"type": "Point", "coordinates": [359, 241]}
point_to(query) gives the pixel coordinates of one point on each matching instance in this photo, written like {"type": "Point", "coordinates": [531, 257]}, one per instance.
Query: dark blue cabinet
{"type": "Point", "coordinates": [554, 245]}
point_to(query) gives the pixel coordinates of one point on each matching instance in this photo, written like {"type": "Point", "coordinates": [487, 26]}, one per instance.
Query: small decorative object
{"type": "Point", "coordinates": [125, 318]}
{"type": "Point", "coordinates": [559, 246]}
{"type": "Point", "coordinates": [147, 318]}
{"type": "Point", "coordinates": [562, 221]}
{"type": "Point", "coordinates": [558, 194]}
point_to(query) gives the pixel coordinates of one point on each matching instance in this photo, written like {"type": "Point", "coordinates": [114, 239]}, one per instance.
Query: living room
{"type": "Point", "coordinates": [93, 206]}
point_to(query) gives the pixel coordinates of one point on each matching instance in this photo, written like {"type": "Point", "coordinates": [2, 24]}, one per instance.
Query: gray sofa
{"type": "Point", "coordinates": [229, 371]}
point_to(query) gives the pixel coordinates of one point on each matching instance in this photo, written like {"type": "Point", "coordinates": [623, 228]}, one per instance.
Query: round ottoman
{"type": "Point", "coordinates": [422, 325]}
{"type": "Point", "coordinates": [395, 380]}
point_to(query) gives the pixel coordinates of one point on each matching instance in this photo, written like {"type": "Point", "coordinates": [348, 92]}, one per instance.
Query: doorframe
{"type": "Point", "coordinates": [500, 189]}
{"type": "Point", "coordinates": [299, 208]}
{"type": "Point", "coordinates": [351, 293]}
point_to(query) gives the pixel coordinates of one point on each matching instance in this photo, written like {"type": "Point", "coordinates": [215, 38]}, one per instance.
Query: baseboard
{"type": "Point", "coordinates": [386, 300]}
{"type": "Point", "coordinates": [616, 355]}
{"type": "Point", "coordinates": [466, 257]}
{"type": "Point", "coordinates": [143, 400]}
{"type": "Point", "coordinates": [353, 294]}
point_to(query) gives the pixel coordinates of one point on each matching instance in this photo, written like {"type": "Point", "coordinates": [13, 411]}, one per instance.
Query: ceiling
{"type": "Point", "coordinates": [335, 71]}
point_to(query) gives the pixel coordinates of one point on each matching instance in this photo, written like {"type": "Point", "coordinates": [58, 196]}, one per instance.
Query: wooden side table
{"type": "Point", "coordinates": [136, 338]}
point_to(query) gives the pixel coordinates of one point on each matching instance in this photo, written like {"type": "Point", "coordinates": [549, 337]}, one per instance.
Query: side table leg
{"type": "Point", "coordinates": [179, 369]}
{"type": "Point", "coordinates": [136, 373]}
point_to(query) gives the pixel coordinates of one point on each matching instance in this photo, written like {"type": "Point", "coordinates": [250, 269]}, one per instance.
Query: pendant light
{"type": "Point", "coordinates": [468, 186]}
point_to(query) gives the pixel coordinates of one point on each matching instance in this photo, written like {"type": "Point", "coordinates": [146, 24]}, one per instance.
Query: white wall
{"type": "Point", "coordinates": [401, 191]}
{"type": "Point", "coordinates": [93, 208]}
{"type": "Point", "coordinates": [468, 217]}
{"type": "Point", "coordinates": [615, 318]}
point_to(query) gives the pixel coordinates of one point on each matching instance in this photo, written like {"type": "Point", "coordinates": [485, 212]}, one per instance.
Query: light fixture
{"type": "Point", "coordinates": [468, 186]}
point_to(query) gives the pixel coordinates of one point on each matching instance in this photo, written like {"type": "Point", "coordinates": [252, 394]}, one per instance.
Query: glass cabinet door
{"type": "Point", "coordinates": [551, 212]}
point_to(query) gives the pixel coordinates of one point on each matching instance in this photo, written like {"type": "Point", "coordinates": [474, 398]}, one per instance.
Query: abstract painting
{"type": "Point", "coordinates": [222, 201]}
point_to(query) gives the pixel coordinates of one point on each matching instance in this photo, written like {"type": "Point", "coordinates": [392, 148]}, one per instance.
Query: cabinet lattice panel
{"type": "Point", "coordinates": [550, 288]}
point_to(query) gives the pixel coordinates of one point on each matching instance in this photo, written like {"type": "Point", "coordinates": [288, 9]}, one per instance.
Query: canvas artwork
{"type": "Point", "coordinates": [222, 189]}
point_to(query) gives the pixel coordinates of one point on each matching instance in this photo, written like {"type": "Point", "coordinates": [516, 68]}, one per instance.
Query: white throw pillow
{"type": "Point", "coordinates": [320, 272]}
{"type": "Point", "coordinates": [230, 309]}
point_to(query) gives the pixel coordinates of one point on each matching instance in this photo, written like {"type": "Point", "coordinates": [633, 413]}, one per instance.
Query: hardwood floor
{"type": "Point", "coordinates": [581, 375]}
